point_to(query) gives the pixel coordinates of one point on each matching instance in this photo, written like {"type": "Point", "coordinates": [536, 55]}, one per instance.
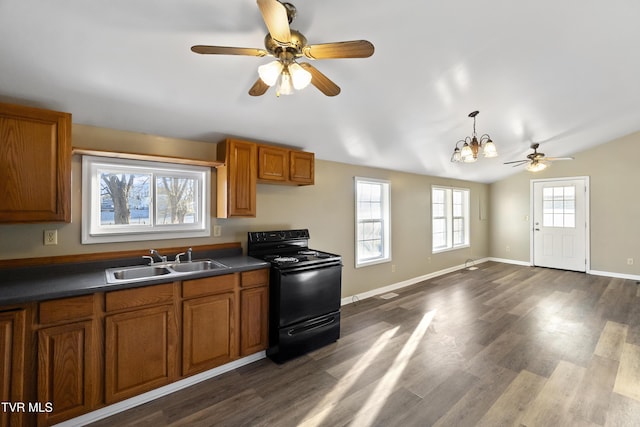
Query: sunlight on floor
{"type": "Point", "coordinates": [347, 381]}
{"type": "Point", "coordinates": [366, 416]}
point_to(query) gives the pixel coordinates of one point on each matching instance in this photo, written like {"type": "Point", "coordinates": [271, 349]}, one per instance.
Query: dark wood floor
{"type": "Point", "coordinates": [500, 346]}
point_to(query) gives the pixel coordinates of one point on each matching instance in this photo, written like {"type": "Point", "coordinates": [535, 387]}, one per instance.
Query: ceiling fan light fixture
{"type": "Point", "coordinates": [301, 77]}
{"type": "Point", "coordinates": [285, 84]}
{"type": "Point", "coordinates": [270, 72]}
{"type": "Point", "coordinates": [472, 145]}
{"type": "Point", "coordinates": [536, 166]}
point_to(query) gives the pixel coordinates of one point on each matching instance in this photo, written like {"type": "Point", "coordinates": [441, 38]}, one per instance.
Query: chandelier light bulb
{"type": "Point", "coordinates": [489, 149]}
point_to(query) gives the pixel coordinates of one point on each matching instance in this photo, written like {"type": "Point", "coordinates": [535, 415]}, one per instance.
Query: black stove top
{"type": "Point", "coordinates": [303, 256]}
{"type": "Point", "coordinates": [287, 248]}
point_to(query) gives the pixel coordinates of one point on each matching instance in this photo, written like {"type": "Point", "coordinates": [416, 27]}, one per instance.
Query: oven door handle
{"type": "Point", "coordinates": [295, 270]}
{"type": "Point", "coordinates": [311, 327]}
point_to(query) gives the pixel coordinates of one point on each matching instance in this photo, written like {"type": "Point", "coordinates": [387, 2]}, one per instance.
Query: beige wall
{"type": "Point", "coordinates": [326, 208]}
{"type": "Point", "coordinates": [615, 206]}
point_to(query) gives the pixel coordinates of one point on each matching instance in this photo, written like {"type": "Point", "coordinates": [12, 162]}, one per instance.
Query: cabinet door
{"type": "Point", "coordinates": [237, 180]}
{"type": "Point", "coordinates": [141, 350]}
{"type": "Point", "coordinates": [65, 371]}
{"type": "Point", "coordinates": [254, 322]}
{"type": "Point", "coordinates": [302, 167]}
{"type": "Point", "coordinates": [35, 165]}
{"type": "Point", "coordinates": [207, 332]}
{"type": "Point", "coordinates": [273, 164]}
{"type": "Point", "coordinates": [12, 357]}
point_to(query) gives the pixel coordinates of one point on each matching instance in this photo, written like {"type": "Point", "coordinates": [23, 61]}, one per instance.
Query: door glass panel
{"type": "Point", "coordinates": [559, 206]}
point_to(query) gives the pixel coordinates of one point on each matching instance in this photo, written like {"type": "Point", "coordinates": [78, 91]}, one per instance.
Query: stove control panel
{"type": "Point", "coordinates": [278, 236]}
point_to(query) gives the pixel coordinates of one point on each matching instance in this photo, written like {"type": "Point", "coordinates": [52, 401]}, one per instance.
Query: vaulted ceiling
{"type": "Point", "coordinates": [560, 73]}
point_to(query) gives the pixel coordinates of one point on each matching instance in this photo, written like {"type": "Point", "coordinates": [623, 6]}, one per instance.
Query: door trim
{"type": "Point", "coordinates": [587, 245]}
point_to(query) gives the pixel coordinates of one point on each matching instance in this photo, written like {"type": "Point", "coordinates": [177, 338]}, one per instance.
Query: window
{"type": "Point", "coordinates": [559, 206]}
{"type": "Point", "coordinates": [373, 234]}
{"type": "Point", "coordinates": [129, 200]}
{"type": "Point", "coordinates": [449, 218]}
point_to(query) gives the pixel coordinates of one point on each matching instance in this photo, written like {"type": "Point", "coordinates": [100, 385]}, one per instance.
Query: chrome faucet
{"type": "Point", "coordinates": [187, 253]}
{"type": "Point", "coordinates": [156, 253]}
{"type": "Point", "coordinates": [150, 258]}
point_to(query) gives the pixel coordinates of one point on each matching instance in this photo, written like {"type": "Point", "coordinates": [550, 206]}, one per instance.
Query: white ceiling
{"type": "Point", "coordinates": [562, 73]}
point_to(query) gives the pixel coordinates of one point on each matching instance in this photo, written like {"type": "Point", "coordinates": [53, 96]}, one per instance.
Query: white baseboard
{"type": "Point", "coordinates": [510, 261]}
{"type": "Point", "coordinates": [159, 392]}
{"type": "Point", "coordinates": [616, 275]}
{"type": "Point", "coordinates": [405, 283]}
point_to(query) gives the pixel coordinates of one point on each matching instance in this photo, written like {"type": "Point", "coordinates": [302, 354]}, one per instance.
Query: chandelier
{"type": "Point", "coordinates": [472, 145]}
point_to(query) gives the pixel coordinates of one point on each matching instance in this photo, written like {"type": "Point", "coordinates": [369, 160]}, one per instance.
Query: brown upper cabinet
{"type": "Point", "coordinates": [301, 167]}
{"type": "Point", "coordinates": [247, 163]}
{"type": "Point", "coordinates": [278, 165]}
{"type": "Point", "coordinates": [35, 165]}
{"type": "Point", "coordinates": [236, 180]}
{"type": "Point", "coordinates": [273, 164]}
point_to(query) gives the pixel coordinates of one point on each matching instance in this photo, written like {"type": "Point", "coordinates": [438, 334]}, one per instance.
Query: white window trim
{"type": "Point", "coordinates": [91, 199]}
{"type": "Point", "coordinates": [449, 214]}
{"type": "Point", "coordinates": [386, 224]}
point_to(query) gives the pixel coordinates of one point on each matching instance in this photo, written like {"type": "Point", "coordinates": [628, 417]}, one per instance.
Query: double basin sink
{"type": "Point", "coordinates": [146, 272]}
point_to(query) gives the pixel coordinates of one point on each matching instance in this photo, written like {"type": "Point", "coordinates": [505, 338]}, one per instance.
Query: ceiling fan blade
{"type": "Point", "coordinates": [553, 159]}
{"type": "Point", "coordinates": [225, 50]}
{"type": "Point", "coordinates": [350, 49]}
{"type": "Point", "coordinates": [258, 88]}
{"type": "Point", "coordinates": [517, 162]}
{"type": "Point", "coordinates": [275, 17]}
{"type": "Point", "coordinates": [322, 82]}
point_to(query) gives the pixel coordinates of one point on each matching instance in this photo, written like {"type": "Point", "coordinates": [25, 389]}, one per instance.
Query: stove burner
{"type": "Point", "coordinates": [308, 252]}
{"type": "Point", "coordinates": [285, 259]}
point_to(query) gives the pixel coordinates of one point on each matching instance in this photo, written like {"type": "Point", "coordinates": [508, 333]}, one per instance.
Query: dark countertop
{"type": "Point", "coordinates": [29, 284]}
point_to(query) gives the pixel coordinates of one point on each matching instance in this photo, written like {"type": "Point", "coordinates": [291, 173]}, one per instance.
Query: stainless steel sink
{"type": "Point", "coordinates": [201, 265]}
{"type": "Point", "coordinates": [141, 273]}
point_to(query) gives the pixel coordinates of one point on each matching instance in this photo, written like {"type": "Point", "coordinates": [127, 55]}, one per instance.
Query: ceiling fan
{"type": "Point", "coordinates": [287, 46]}
{"type": "Point", "coordinates": [536, 161]}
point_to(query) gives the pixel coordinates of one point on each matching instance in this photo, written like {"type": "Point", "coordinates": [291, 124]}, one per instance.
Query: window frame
{"type": "Point", "coordinates": [92, 230]}
{"type": "Point", "coordinates": [450, 218]}
{"type": "Point", "coordinates": [385, 222]}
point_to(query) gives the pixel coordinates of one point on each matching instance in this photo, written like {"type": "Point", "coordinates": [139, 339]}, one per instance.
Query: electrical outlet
{"type": "Point", "coordinates": [50, 237]}
{"type": "Point", "coordinates": [217, 230]}
{"type": "Point", "coordinates": [393, 268]}
{"type": "Point", "coordinates": [629, 261]}
{"type": "Point", "coordinates": [508, 249]}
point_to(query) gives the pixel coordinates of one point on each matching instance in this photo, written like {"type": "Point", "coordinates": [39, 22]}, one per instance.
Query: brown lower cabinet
{"type": "Point", "coordinates": [140, 351]}
{"type": "Point", "coordinates": [64, 371]}
{"type": "Point", "coordinates": [12, 360]}
{"type": "Point", "coordinates": [208, 332]}
{"type": "Point", "coordinates": [94, 350]}
{"type": "Point", "coordinates": [254, 306]}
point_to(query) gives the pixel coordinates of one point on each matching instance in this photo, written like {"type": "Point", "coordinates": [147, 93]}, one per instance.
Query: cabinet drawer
{"type": "Point", "coordinates": [74, 308]}
{"type": "Point", "coordinates": [139, 297]}
{"type": "Point", "coordinates": [255, 278]}
{"type": "Point", "coordinates": [209, 285]}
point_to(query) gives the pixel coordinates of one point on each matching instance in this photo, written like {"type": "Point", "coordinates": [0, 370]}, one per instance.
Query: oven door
{"type": "Point", "coordinates": [308, 292]}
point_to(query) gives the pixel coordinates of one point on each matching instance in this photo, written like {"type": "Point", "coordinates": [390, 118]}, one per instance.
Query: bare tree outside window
{"type": "Point", "coordinates": [176, 200]}
{"type": "Point", "coordinates": [126, 196]}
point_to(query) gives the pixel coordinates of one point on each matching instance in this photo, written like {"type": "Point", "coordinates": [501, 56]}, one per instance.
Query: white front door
{"type": "Point", "coordinates": [560, 223]}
